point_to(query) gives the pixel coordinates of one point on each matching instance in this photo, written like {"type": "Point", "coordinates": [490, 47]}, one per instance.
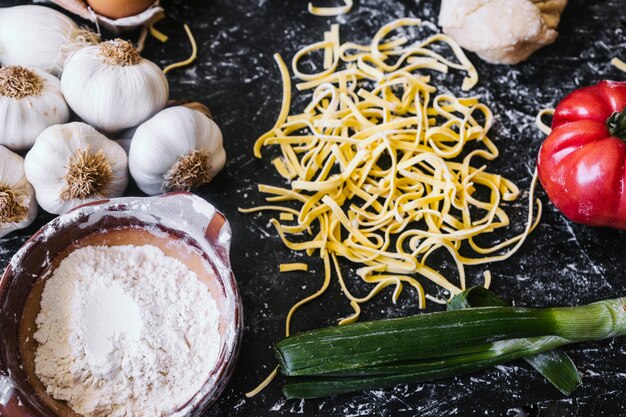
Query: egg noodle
{"type": "Point", "coordinates": [383, 171]}
{"type": "Point", "coordinates": [192, 57]}
{"type": "Point", "coordinates": [162, 37]}
{"type": "Point", "coordinates": [619, 64]}
{"type": "Point", "coordinates": [331, 11]}
{"type": "Point", "coordinates": [298, 266]}
{"type": "Point", "coordinates": [540, 123]}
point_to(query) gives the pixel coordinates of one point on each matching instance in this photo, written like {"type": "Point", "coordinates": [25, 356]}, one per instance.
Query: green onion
{"type": "Point", "coordinates": [429, 346]}
{"type": "Point", "coordinates": [556, 366]}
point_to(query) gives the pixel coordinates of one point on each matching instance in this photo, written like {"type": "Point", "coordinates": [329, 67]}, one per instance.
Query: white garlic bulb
{"type": "Point", "coordinates": [30, 101]}
{"type": "Point", "coordinates": [73, 164]}
{"type": "Point", "coordinates": [111, 87]}
{"type": "Point", "coordinates": [18, 206]}
{"type": "Point", "coordinates": [39, 37]}
{"type": "Point", "coordinates": [178, 149]}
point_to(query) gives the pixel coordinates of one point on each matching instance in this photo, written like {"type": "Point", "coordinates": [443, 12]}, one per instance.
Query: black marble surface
{"type": "Point", "coordinates": [561, 263]}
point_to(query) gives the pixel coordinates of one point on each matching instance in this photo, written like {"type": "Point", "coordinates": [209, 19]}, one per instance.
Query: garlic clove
{"type": "Point", "coordinates": [111, 87]}
{"type": "Point", "coordinates": [30, 101]}
{"type": "Point", "coordinates": [18, 206]}
{"type": "Point", "coordinates": [177, 149]}
{"type": "Point", "coordinates": [72, 164]}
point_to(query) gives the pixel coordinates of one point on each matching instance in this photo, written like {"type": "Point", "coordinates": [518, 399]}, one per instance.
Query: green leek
{"type": "Point", "coordinates": [420, 348]}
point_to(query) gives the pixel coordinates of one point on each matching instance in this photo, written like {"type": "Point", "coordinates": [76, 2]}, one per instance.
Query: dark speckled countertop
{"type": "Point", "coordinates": [560, 264]}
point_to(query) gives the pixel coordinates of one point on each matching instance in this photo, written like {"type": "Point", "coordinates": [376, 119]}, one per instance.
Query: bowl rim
{"type": "Point", "coordinates": [213, 240]}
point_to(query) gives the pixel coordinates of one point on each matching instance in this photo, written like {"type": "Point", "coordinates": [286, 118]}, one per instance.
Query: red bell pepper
{"type": "Point", "coordinates": [582, 163]}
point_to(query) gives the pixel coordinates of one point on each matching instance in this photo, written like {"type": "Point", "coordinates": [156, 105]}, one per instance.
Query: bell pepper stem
{"type": "Point", "coordinates": [617, 124]}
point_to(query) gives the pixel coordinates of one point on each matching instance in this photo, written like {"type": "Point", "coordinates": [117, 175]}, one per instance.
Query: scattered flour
{"type": "Point", "coordinates": [125, 331]}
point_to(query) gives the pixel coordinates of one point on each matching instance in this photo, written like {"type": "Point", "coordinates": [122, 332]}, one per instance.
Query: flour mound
{"type": "Point", "coordinates": [125, 331]}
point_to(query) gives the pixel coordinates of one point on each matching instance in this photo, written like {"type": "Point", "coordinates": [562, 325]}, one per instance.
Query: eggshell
{"type": "Point", "coordinates": [116, 9]}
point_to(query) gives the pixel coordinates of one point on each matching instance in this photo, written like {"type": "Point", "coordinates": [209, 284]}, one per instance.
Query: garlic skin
{"type": "Point", "coordinates": [177, 149]}
{"type": "Point", "coordinates": [111, 87]}
{"type": "Point", "coordinates": [73, 164]}
{"type": "Point", "coordinates": [30, 101]}
{"type": "Point", "coordinates": [18, 206]}
{"type": "Point", "coordinates": [38, 37]}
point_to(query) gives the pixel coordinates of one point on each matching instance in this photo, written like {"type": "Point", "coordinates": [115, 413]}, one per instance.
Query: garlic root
{"type": "Point", "coordinates": [18, 207]}
{"type": "Point", "coordinates": [189, 172]}
{"type": "Point", "coordinates": [19, 82]}
{"type": "Point", "coordinates": [11, 211]}
{"type": "Point", "coordinates": [119, 52]}
{"type": "Point", "coordinates": [88, 174]}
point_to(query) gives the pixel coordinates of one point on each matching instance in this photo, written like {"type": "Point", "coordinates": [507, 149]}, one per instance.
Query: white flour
{"type": "Point", "coordinates": [125, 331]}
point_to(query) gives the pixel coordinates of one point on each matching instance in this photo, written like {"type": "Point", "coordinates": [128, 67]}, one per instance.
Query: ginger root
{"type": "Point", "coordinates": [502, 31]}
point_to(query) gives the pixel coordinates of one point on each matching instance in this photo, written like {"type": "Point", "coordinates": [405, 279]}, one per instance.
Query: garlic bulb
{"type": "Point", "coordinates": [18, 206]}
{"type": "Point", "coordinates": [39, 37]}
{"type": "Point", "coordinates": [178, 149]}
{"type": "Point", "coordinates": [111, 87]}
{"type": "Point", "coordinates": [30, 101]}
{"type": "Point", "coordinates": [72, 164]}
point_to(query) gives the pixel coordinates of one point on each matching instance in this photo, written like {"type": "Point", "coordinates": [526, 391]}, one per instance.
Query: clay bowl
{"type": "Point", "coordinates": [180, 224]}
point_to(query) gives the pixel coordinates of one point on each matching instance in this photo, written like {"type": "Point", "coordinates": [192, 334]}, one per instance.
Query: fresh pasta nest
{"type": "Point", "coordinates": [384, 170]}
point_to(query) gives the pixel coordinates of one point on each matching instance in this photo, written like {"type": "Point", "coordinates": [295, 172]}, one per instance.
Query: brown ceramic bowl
{"type": "Point", "coordinates": [180, 224]}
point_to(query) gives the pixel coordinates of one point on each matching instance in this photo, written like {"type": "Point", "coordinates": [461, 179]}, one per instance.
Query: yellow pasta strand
{"type": "Point", "coordinates": [487, 283]}
{"type": "Point", "coordinates": [539, 120]}
{"type": "Point", "coordinates": [157, 34]}
{"type": "Point", "coordinates": [286, 217]}
{"type": "Point", "coordinates": [263, 384]}
{"type": "Point", "coordinates": [188, 61]}
{"type": "Point", "coordinates": [619, 64]}
{"type": "Point", "coordinates": [294, 267]}
{"type": "Point", "coordinates": [284, 108]}
{"type": "Point", "coordinates": [331, 11]}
